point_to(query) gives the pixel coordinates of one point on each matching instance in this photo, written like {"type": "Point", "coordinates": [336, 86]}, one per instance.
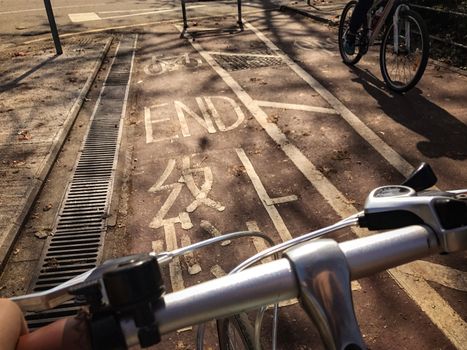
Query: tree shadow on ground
{"type": "Point", "coordinates": [16, 81]}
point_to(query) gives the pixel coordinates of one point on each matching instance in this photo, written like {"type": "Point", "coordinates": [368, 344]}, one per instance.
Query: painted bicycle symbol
{"type": "Point", "coordinates": [160, 65]}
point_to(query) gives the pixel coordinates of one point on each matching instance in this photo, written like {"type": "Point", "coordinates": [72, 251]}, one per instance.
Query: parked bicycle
{"type": "Point", "coordinates": [128, 305]}
{"type": "Point", "coordinates": [404, 47]}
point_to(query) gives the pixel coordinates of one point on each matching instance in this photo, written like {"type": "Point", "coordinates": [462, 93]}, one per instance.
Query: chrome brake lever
{"type": "Point", "coordinates": [50, 298]}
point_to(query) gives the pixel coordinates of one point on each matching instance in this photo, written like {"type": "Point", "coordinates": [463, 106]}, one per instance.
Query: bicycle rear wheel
{"type": "Point", "coordinates": [343, 28]}
{"type": "Point", "coordinates": [403, 66]}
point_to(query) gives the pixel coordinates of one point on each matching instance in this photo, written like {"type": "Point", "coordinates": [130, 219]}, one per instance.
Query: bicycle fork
{"type": "Point", "coordinates": [406, 23]}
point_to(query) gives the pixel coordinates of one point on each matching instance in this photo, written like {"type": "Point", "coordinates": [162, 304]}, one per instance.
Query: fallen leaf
{"type": "Point", "coordinates": [24, 135]}
{"type": "Point", "coordinates": [41, 234]}
{"type": "Point", "coordinates": [47, 207]}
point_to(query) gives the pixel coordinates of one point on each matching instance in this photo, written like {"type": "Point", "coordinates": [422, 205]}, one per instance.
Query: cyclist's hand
{"type": "Point", "coordinates": [12, 324]}
{"type": "Point", "coordinates": [68, 333]}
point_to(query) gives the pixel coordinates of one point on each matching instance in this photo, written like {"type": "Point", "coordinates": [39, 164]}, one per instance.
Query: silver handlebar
{"type": "Point", "coordinates": [276, 281]}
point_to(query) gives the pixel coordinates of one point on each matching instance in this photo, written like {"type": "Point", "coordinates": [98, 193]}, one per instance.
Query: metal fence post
{"type": "Point", "coordinates": [53, 27]}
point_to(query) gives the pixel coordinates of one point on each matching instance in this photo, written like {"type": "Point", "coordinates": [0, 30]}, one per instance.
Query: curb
{"type": "Point", "coordinates": [57, 144]}
{"type": "Point", "coordinates": [286, 8]}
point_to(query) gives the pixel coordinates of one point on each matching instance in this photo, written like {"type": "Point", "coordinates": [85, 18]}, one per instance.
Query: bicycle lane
{"type": "Point", "coordinates": [210, 168]}
{"type": "Point", "coordinates": [408, 277]}
{"type": "Point", "coordinates": [426, 124]}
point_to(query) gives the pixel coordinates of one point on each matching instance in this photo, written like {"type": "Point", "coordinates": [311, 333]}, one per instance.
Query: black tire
{"type": "Point", "coordinates": [409, 63]}
{"type": "Point", "coordinates": [343, 27]}
{"type": "Point", "coordinates": [236, 333]}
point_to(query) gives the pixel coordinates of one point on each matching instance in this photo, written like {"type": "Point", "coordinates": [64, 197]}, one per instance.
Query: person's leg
{"type": "Point", "coordinates": [358, 15]}
{"type": "Point", "coordinates": [356, 21]}
{"type": "Point", "coordinates": [12, 324]}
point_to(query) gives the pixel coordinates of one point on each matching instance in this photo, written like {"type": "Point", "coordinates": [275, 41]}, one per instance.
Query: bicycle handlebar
{"type": "Point", "coordinates": [275, 281]}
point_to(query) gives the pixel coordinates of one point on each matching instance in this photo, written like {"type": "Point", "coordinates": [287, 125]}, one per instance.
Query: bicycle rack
{"type": "Point", "coordinates": [185, 21]}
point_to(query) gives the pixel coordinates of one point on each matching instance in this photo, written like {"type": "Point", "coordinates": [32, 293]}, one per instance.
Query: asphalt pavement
{"type": "Point", "coordinates": [41, 94]}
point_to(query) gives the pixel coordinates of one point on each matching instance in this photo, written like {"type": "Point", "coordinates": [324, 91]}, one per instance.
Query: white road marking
{"type": "Point", "coordinates": [420, 291]}
{"type": "Point", "coordinates": [159, 185]}
{"type": "Point", "coordinates": [209, 118]}
{"type": "Point", "coordinates": [42, 9]}
{"type": "Point", "coordinates": [218, 271]}
{"type": "Point", "coordinates": [259, 243]}
{"type": "Point", "coordinates": [125, 11]}
{"type": "Point", "coordinates": [190, 259]}
{"type": "Point", "coordinates": [175, 268]}
{"type": "Point", "coordinates": [201, 195]}
{"type": "Point", "coordinates": [160, 64]}
{"type": "Point", "coordinates": [280, 200]}
{"type": "Point", "coordinates": [444, 275]}
{"type": "Point", "coordinates": [445, 318]}
{"type": "Point", "coordinates": [92, 16]}
{"type": "Point", "coordinates": [154, 12]}
{"type": "Point", "coordinates": [364, 131]}
{"type": "Point", "coordinates": [205, 121]}
{"type": "Point", "coordinates": [213, 231]}
{"type": "Point", "coordinates": [296, 107]}
{"type": "Point", "coordinates": [158, 220]}
{"type": "Point", "coordinates": [149, 121]}
{"type": "Point", "coordinates": [104, 29]}
{"type": "Point", "coordinates": [332, 195]}
{"type": "Point", "coordinates": [157, 246]}
{"type": "Point", "coordinates": [434, 306]}
{"type": "Point", "coordinates": [83, 17]}
{"type": "Point", "coordinates": [276, 218]}
{"type": "Point", "coordinates": [215, 114]}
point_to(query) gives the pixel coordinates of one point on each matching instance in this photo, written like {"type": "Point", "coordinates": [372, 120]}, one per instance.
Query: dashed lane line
{"type": "Point", "coordinates": [444, 317]}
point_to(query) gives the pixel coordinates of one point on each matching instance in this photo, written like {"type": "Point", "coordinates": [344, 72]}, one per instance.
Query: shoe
{"type": "Point", "coordinates": [349, 44]}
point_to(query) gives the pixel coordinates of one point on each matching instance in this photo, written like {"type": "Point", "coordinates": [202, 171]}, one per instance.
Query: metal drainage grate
{"type": "Point", "coordinates": [75, 246]}
{"type": "Point", "coordinates": [233, 62]}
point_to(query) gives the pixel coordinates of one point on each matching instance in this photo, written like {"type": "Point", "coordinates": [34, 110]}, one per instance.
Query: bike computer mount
{"type": "Point", "coordinates": [391, 207]}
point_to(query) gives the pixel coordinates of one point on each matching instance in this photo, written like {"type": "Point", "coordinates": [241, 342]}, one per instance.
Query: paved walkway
{"type": "Point", "coordinates": [40, 96]}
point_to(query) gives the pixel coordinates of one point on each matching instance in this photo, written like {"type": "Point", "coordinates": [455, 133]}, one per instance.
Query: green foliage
{"type": "Point", "coordinates": [448, 23]}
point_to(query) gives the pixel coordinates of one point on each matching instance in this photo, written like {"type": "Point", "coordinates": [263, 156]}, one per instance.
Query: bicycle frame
{"type": "Point", "coordinates": [381, 21]}
{"type": "Point", "coordinates": [387, 10]}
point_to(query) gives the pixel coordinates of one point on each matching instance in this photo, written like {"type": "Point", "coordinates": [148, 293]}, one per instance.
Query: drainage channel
{"type": "Point", "coordinates": [77, 240]}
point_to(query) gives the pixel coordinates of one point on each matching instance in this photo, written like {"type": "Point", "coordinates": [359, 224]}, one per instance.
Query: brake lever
{"type": "Point", "coordinates": [48, 299]}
